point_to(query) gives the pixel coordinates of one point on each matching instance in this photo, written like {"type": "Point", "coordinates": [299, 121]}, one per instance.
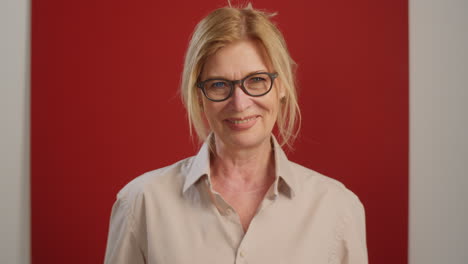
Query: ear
{"type": "Point", "coordinates": [200, 98]}
{"type": "Point", "coordinates": [281, 90]}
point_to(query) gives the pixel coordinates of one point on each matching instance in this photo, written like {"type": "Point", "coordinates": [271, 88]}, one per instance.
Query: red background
{"type": "Point", "coordinates": [105, 108]}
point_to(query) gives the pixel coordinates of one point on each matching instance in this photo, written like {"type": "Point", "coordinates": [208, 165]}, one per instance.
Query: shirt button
{"type": "Point", "coordinates": [228, 211]}
{"type": "Point", "coordinates": [241, 254]}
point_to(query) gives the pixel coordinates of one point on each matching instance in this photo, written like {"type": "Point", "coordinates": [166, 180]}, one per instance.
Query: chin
{"type": "Point", "coordinates": [245, 139]}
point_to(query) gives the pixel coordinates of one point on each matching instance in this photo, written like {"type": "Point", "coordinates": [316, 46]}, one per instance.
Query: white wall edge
{"type": "Point", "coordinates": [438, 215]}
{"type": "Point", "coordinates": [14, 131]}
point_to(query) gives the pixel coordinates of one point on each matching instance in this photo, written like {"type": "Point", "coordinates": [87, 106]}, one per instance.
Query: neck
{"type": "Point", "coordinates": [242, 170]}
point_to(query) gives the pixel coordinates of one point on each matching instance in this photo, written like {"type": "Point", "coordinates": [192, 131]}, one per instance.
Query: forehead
{"type": "Point", "coordinates": [236, 60]}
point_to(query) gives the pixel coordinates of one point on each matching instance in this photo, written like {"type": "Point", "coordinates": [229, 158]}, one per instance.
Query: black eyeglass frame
{"type": "Point", "coordinates": [232, 84]}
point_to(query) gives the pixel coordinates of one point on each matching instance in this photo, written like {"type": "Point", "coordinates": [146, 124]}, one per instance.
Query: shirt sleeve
{"type": "Point", "coordinates": [354, 235]}
{"type": "Point", "coordinates": [122, 243]}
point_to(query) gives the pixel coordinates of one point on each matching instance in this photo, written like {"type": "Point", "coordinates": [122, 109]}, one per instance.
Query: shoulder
{"type": "Point", "coordinates": [339, 208]}
{"type": "Point", "coordinates": [158, 181]}
{"type": "Point", "coordinates": [312, 183]}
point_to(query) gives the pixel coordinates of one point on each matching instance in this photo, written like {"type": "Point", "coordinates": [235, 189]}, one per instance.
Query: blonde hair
{"type": "Point", "coordinates": [218, 29]}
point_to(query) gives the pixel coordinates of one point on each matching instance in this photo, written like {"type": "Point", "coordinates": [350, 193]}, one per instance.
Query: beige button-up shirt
{"type": "Point", "coordinates": [167, 216]}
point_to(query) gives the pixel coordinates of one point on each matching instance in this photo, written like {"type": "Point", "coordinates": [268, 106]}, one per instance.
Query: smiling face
{"type": "Point", "coordinates": [242, 121]}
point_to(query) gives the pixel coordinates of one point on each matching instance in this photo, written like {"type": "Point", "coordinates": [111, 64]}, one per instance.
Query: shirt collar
{"type": "Point", "coordinates": [285, 180]}
{"type": "Point", "coordinates": [199, 166]}
{"type": "Point", "coordinates": [283, 171]}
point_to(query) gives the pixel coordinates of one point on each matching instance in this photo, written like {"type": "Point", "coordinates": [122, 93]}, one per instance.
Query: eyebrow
{"type": "Point", "coordinates": [224, 78]}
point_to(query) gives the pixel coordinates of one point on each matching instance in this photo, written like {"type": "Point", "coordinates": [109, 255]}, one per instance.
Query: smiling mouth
{"type": "Point", "coordinates": [241, 120]}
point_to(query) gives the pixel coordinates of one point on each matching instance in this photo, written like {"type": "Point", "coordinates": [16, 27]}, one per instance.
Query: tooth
{"type": "Point", "coordinates": [242, 121]}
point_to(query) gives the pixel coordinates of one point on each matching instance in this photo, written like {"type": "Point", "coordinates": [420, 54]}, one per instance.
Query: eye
{"type": "Point", "coordinates": [256, 79]}
{"type": "Point", "coordinates": [218, 85]}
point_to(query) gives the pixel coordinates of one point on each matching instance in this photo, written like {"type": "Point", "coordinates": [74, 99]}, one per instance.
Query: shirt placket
{"type": "Point", "coordinates": [226, 210]}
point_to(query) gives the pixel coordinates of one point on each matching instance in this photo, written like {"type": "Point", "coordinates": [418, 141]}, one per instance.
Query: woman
{"type": "Point", "coordinates": [239, 200]}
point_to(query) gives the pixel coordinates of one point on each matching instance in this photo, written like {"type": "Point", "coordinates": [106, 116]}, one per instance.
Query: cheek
{"type": "Point", "coordinates": [273, 106]}
{"type": "Point", "coordinates": [270, 110]}
{"type": "Point", "coordinates": [211, 112]}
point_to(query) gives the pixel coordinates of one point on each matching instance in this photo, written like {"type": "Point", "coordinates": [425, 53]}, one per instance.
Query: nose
{"type": "Point", "coordinates": [240, 101]}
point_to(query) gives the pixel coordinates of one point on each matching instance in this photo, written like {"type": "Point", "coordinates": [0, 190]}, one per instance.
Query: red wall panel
{"type": "Point", "coordinates": [105, 108]}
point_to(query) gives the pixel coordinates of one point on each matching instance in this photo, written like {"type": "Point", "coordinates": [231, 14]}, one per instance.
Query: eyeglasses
{"type": "Point", "coordinates": [255, 84]}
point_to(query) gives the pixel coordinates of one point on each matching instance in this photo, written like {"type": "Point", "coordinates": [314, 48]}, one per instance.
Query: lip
{"type": "Point", "coordinates": [243, 123]}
